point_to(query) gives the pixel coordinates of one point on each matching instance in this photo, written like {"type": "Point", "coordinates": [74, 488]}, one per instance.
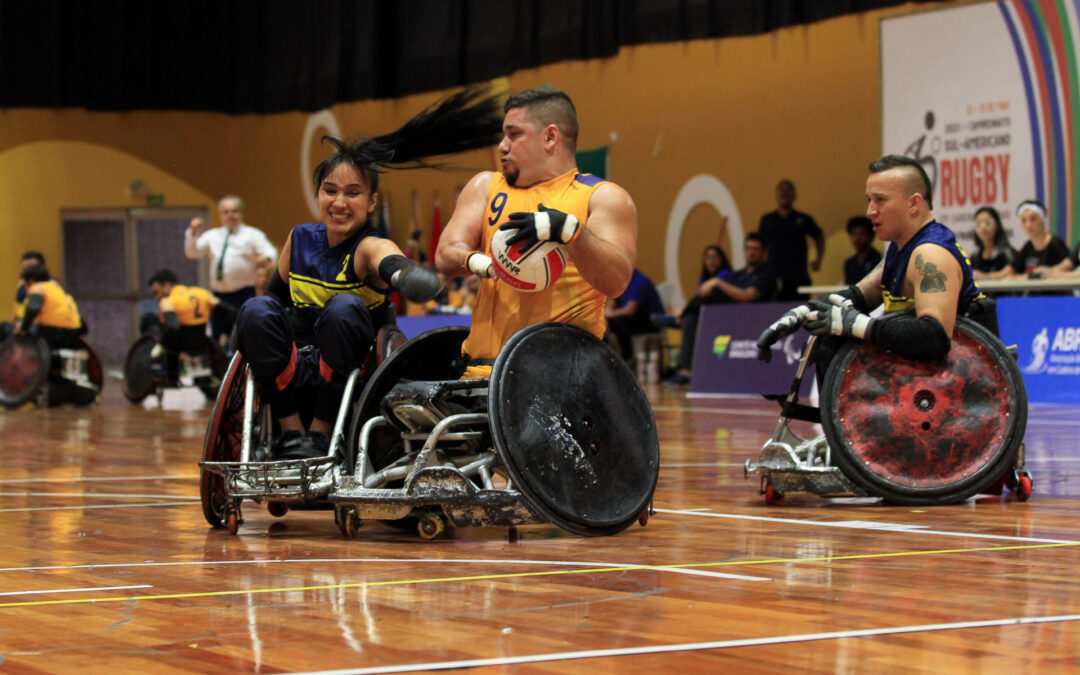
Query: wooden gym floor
{"type": "Point", "coordinates": [106, 565]}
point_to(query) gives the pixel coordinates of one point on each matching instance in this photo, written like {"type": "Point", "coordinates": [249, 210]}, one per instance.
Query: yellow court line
{"type": "Point", "coordinates": [515, 575]}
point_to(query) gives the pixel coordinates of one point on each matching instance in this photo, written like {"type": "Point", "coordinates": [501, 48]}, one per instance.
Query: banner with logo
{"type": "Point", "coordinates": [986, 97]}
{"type": "Point", "coordinates": [725, 352]}
{"type": "Point", "coordinates": [1046, 332]}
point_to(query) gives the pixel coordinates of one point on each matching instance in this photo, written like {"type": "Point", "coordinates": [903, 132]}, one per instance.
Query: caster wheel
{"type": "Point", "coordinates": [643, 519]}
{"type": "Point", "coordinates": [348, 522]}
{"type": "Point", "coordinates": [232, 521]}
{"type": "Point", "coordinates": [430, 526]}
{"type": "Point", "coordinates": [512, 534]}
{"type": "Point", "coordinates": [1024, 487]}
{"type": "Point", "coordinates": [772, 495]}
{"type": "Point", "coordinates": [277, 509]}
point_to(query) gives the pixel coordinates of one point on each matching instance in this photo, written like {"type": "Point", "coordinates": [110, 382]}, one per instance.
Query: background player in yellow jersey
{"type": "Point", "coordinates": [48, 311]}
{"type": "Point", "coordinates": [540, 194]}
{"type": "Point", "coordinates": [183, 312]}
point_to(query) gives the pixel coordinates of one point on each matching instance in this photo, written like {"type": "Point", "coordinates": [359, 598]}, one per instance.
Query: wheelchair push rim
{"type": "Point", "coordinates": [920, 432]}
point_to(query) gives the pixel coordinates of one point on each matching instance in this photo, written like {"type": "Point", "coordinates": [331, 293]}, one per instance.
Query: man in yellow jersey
{"type": "Point", "coordinates": [541, 194]}
{"type": "Point", "coordinates": [183, 312]}
{"type": "Point", "coordinates": [48, 311]}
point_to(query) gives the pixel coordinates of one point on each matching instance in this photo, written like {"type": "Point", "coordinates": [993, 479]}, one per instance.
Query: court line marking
{"type": "Point", "coordinates": [519, 575]}
{"type": "Point", "coordinates": [695, 646]}
{"type": "Point", "coordinates": [863, 525]}
{"type": "Point", "coordinates": [74, 479]}
{"type": "Point", "coordinates": [76, 590]}
{"type": "Point", "coordinates": [96, 506]}
{"type": "Point", "coordinates": [718, 411]}
{"type": "Point", "coordinates": [112, 495]}
{"type": "Point", "coordinates": [426, 561]}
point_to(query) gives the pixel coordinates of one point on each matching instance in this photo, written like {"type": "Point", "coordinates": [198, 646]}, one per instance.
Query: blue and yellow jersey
{"type": "Point", "coordinates": [318, 272]}
{"type": "Point", "coordinates": [58, 309]}
{"type": "Point", "coordinates": [896, 264]}
{"type": "Point", "coordinates": [571, 299]}
{"type": "Point", "coordinates": [191, 305]}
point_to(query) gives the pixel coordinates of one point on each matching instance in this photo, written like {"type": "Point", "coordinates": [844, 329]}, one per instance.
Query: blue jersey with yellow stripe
{"type": "Point", "coordinates": [896, 264]}
{"type": "Point", "coordinates": [318, 272]}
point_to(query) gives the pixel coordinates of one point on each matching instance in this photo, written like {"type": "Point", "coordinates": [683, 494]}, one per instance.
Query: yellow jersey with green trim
{"type": "Point", "coordinates": [58, 309]}
{"type": "Point", "coordinates": [499, 310]}
{"type": "Point", "coordinates": [191, 305]}
{"type": "Point", "coordinates": [318, 272]}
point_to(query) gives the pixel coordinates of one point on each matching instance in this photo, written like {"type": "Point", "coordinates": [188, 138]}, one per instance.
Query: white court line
{"type": "Point", "coordinates": [111, 495]}
{"type": "Point", "coordinates": [694, 646]}
{"type": "Point", "coordinates": [96, 506]}
{"type": "Point", "coordinates": [553, 563]}
{"type": "Point", "coordinates": [77, 590]}
{"type": "Point", "coordinates": [863, 525]}
{"type": "Point", "coordinates": [74, 479]}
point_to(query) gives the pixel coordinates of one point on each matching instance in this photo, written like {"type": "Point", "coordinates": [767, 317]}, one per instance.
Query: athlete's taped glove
{"type": "Point", "coordinates": [543, 225]}
{"type": "Point", "coordinates": [479, 264]}
{"type": "Point", "coordinates": [826, 318]}
{"type": "Point", "coordinates": [779, 329]}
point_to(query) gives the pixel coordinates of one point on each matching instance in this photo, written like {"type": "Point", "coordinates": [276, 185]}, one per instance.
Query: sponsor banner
{"type": "Point", "coordinates": [1046, 332]}
{"type": "Point", "coordinates": [415, 325]}
{"type": "Point", "coordinates": [725, 352]}
{"type": "Point", "coordinates": [985, 96]}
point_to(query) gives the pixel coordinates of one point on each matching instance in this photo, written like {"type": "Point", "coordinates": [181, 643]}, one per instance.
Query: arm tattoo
{"type": "Point", "coordinates": [933, 280]}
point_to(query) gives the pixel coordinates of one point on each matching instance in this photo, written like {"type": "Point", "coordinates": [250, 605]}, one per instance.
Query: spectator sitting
{"type": "Point", "coordinates": [1042, 251]}
{"type": "Point", "coordinates": [861, 232]}
{"type": "Point", "coordinates": [714, 265]}
{"type": "Point", "coordinates": [630, 313]}
{"type": "Point", "coordinates": [753, 283]}
{"type": "Point", "coordinates": [994, 253]}
{"type": "Point", "coordinates": [1068, 268]}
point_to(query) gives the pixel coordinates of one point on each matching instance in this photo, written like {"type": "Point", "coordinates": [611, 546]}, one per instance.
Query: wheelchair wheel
{"type": "Point", "coordinates": [24, 369]}
{"type": "Point", "coordinates": [917, 432]}
{"type": "Point", "coordinates": [573, 429]}
{"type": "Point", "coordinates": [223, 440]}
{"type": "Point", "coordinates": [426, 357]}
{"type": "Point", "coordinates": [139, 379]}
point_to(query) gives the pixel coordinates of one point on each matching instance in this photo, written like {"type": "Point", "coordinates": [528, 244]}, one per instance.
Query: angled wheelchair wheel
{"type": "Point", "coordinates": [573, 429]}
{"type": "Point", "coordinates": [25, 362]}
{"type": "Point", "coordinates": [428, 356]}
{"type": "Point", "coordinates": [224, 436]}
{"type": "Point", "coordinates": [918, 432]}
{"type": "Point", "coordinates": [139, 379]}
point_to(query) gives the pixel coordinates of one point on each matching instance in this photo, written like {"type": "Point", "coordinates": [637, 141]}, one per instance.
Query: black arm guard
{"type": "Point", "coordinates": [915, 337]}
{"type": "Point", "coordinates": [279, 289]}
{"type": "Point", "coordinates": [416, 283]}
{"type": "Point", "coordinates": [858, 300]}
{"type": "Point", "coordinates": [171, 322]}
{"type": "Point", "coordinates": [34, 304]}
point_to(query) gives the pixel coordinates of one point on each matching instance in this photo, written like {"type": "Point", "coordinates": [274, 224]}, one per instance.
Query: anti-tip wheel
{"type": "Point", "coordinates": [772, 495]}
{"type": "Point", "coordinates": [431, 525]}
{"type": "Point", "coordinates": [232, 521]}
{"type": "Point", "coordinates": [1024, 487]}
{"type": "Point", "coordinates": [348, 522]}
{"type": "Point", "coordinates": [277, 509]}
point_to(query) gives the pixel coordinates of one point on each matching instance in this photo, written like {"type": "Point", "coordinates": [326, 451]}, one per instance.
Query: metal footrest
{"type": "Point", "coordinates": [293, 479]}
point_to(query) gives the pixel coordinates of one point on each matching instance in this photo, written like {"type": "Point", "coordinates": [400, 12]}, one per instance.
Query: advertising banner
{"type": "Point", "coordinates": [1046, 332]}
{"type": "Point", "coordinates": [986, 97]}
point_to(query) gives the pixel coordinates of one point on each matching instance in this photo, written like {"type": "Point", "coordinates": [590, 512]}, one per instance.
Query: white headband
{"type": "Point", "coordinates": [1031, 206]}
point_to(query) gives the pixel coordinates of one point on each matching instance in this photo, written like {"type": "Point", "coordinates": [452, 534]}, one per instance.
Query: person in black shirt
{"type": "Point", "coordinates": [784, 232]}
{"type": "Point", "coordinates": [861, 232]}
{"type": "Point", "coordinates": [994, 252]}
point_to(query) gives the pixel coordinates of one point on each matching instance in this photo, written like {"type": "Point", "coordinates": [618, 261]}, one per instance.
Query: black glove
{"type": "Point", "coordinates": [826, 318]}
{"type": "Point", "coordinates": [781, 328]}
{"type": "Point", "coordinates": [543, 225]}
{"type": "Point", "coordinates": [417, 283]}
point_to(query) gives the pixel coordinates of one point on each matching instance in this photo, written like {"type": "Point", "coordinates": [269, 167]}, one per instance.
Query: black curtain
{"type": "Point", "coordinates": [262, 56]}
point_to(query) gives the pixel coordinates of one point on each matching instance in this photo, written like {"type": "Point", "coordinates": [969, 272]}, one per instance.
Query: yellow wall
{"type": "Point", "coordinates": [801, 103]}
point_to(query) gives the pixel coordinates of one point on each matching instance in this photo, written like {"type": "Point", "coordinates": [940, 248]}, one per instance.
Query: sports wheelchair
{"type": "Point", "coordinates": [560, 433]}
{"type": "Point", "coordinates": [32, 371]}
{"type": "Point", "coordinates": [909, 432]}
{"type": "Point", "coordinates": [145, 373]}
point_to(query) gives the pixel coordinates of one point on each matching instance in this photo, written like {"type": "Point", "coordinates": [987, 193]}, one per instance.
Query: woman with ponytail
{"type": "Point", "coordinates": [328, 297]}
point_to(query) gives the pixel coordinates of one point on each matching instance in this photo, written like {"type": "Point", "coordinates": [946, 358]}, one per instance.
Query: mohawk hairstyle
{"type": "Point", "coordinates": [467, 120]}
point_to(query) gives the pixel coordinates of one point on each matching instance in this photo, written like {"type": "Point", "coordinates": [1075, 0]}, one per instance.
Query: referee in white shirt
{"type": "Point", "coordinates": [236, 251]}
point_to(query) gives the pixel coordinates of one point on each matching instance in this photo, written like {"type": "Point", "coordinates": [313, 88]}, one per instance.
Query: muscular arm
{"type": "Point", "coordinates": [606, 250]}
{"type": "Point", "coordinates": [935, 278]}
{"type": "Point", "coordinates": [870, 285]}
{"type": "Point", "coordinates": [465, 229]}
